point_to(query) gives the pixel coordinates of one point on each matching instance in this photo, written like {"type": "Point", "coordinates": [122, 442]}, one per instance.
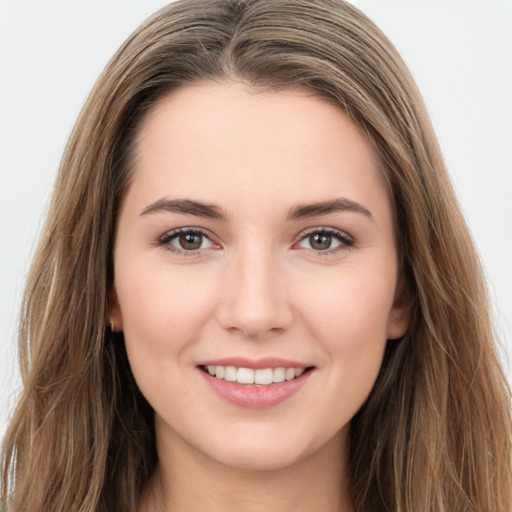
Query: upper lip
{"type": "Point", "coordinates": [254, 364]}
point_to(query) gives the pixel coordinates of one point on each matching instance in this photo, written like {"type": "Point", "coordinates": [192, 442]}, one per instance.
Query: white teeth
{"type": "Point", "coordinates": [289, 374]}
{"type": "Point", "coordinates": [278, 375]}
{"type": "Point", "coordinates": [230, 373]}
{"type": "Point", "coordinates": [262, 377]}
{"type": "Point", "coordinates": [245, 376]}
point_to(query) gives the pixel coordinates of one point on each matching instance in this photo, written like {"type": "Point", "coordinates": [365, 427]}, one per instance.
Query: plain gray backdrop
{"type": "Point", "coordinates": [459, 51]}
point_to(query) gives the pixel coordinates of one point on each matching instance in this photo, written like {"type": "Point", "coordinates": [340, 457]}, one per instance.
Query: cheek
{"type": "Point", "coordinates": [162, 314]}
{"type": "Point", "coordinates": [157, 300]}
{"type": "Point", "coordinates": [348, 302]}
{"type": "Point", "coordinates": [349, 318]}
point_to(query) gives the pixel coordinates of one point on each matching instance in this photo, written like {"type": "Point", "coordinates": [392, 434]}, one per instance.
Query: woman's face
{"type": "Point", "coordinates": [256, 233]}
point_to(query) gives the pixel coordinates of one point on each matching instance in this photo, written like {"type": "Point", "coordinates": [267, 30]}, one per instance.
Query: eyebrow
{"type": "Point", "coordinates": [210, 211]}
{"type": "Point", "coordinates": [187, 207]}
{"type": "Point", "coordinates": [324, 208]}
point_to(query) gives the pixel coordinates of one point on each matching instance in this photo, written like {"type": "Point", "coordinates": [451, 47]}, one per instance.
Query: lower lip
{"type": "Point", "coordinates": [255, 397]}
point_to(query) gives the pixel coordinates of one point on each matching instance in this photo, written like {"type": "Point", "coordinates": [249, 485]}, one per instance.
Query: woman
{"type": "Point", "coordinates": [254, 281]}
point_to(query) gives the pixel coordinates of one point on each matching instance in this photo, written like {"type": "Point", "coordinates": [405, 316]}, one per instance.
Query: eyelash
{"type": "Point", "coordinates": [165, 240]}
{"type": "Point", "coordinates": [345, 241]}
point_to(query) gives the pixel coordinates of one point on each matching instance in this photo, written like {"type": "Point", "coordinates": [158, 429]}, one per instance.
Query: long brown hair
{"type": "Point", "coordinates": [434, 435]}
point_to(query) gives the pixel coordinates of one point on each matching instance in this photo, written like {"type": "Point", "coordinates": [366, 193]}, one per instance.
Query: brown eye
{"type": "Point", "coordinates": [326, 240]}
{"type": "Point", "coordinates": [186, 241]}
{"type": "Point", "coordinates": [190, 241]}
{"type": "Point", "coordinates": [320, 241]}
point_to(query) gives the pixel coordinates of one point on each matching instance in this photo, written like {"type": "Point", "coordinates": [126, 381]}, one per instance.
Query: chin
{"type": "Point", "coordinates": [258, 458]}
{"type": "Point", "coordinates": [266, 451]}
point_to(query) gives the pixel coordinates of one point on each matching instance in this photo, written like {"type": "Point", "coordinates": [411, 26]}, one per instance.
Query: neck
{"type": "Point", "coordinates": [188, 481]}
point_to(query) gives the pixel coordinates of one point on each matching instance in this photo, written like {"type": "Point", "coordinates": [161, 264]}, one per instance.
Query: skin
{"type": "Point", "coordinates": [257, 286]}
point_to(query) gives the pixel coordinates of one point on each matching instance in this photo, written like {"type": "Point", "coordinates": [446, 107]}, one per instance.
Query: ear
{"type": "Point", "coordinates": [400, 314]}
{"type": "Point", "coordinates": [114, 312]}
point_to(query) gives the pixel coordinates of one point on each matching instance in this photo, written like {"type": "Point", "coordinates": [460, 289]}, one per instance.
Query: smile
{"type": "Point", "coordinates": [262, 387]}
{"type": "Point", "coordinates": [260, 377]}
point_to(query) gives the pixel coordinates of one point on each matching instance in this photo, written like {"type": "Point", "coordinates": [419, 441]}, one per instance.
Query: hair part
{"type": "Point", "coordinates": [435, 433]}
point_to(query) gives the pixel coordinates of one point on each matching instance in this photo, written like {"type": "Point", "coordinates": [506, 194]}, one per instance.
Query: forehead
{"type": "Point", "coordinates": [214, 139]}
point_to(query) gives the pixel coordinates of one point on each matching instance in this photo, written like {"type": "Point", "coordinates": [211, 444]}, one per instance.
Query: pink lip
{"type": "Point", "coordinates": [255, 397]}
{"type": "Point", "coordinates": [254, 364]}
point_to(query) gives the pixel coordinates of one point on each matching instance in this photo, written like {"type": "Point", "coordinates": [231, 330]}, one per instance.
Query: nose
{"type": "Point", "coordinates": [255, 302]}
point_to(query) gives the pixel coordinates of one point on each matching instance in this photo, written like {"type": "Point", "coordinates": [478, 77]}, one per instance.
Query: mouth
{"type": "Point", "coordinates": [261, 377]}
{"type": "Point", "coordinates": [256, 383]}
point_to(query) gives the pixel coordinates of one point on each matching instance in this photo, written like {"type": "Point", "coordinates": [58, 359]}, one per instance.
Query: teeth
{"type": "Point", "coordinates": [230, 373]}
{"type": "Point", "coordinates": [289, 373]}
{"type": "Point", "coordinates": [278, 375]}
{"type": "Point", "coordinates": [245, 376]}
{"type": "Point", "coordinates": [262, 377]}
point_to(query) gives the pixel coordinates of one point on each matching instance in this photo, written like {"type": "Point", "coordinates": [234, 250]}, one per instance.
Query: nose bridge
{"type": "Point", "coordinates": [255, 300]}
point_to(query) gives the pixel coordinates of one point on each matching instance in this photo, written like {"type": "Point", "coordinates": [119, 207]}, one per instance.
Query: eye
{"type": "Point", "coordinates": [325, 240]}
{"type": "Point", "coordinates": [186, 240]}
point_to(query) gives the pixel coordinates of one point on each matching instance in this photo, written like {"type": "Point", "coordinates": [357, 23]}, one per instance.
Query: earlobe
{"type": "Point", "coordinates": [114, 312]}
{"type": "Point", "coordinates": [399, 316]}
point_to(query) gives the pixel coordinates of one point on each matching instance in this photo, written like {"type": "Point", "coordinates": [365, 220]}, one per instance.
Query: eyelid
{"type": "Point", "coordinates": [346, 240]}
{"type": "Point", "coordinates": [166, 238]}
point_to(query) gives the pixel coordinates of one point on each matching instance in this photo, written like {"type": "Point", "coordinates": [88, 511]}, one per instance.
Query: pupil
{"type": "Point", "coordinates": [190, 241]}
{"type": "Point", "coordinates": [320, 241]}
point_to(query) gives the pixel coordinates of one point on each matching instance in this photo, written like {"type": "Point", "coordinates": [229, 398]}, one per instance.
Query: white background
{"type": "Point", "coordinates": [51, 52]}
